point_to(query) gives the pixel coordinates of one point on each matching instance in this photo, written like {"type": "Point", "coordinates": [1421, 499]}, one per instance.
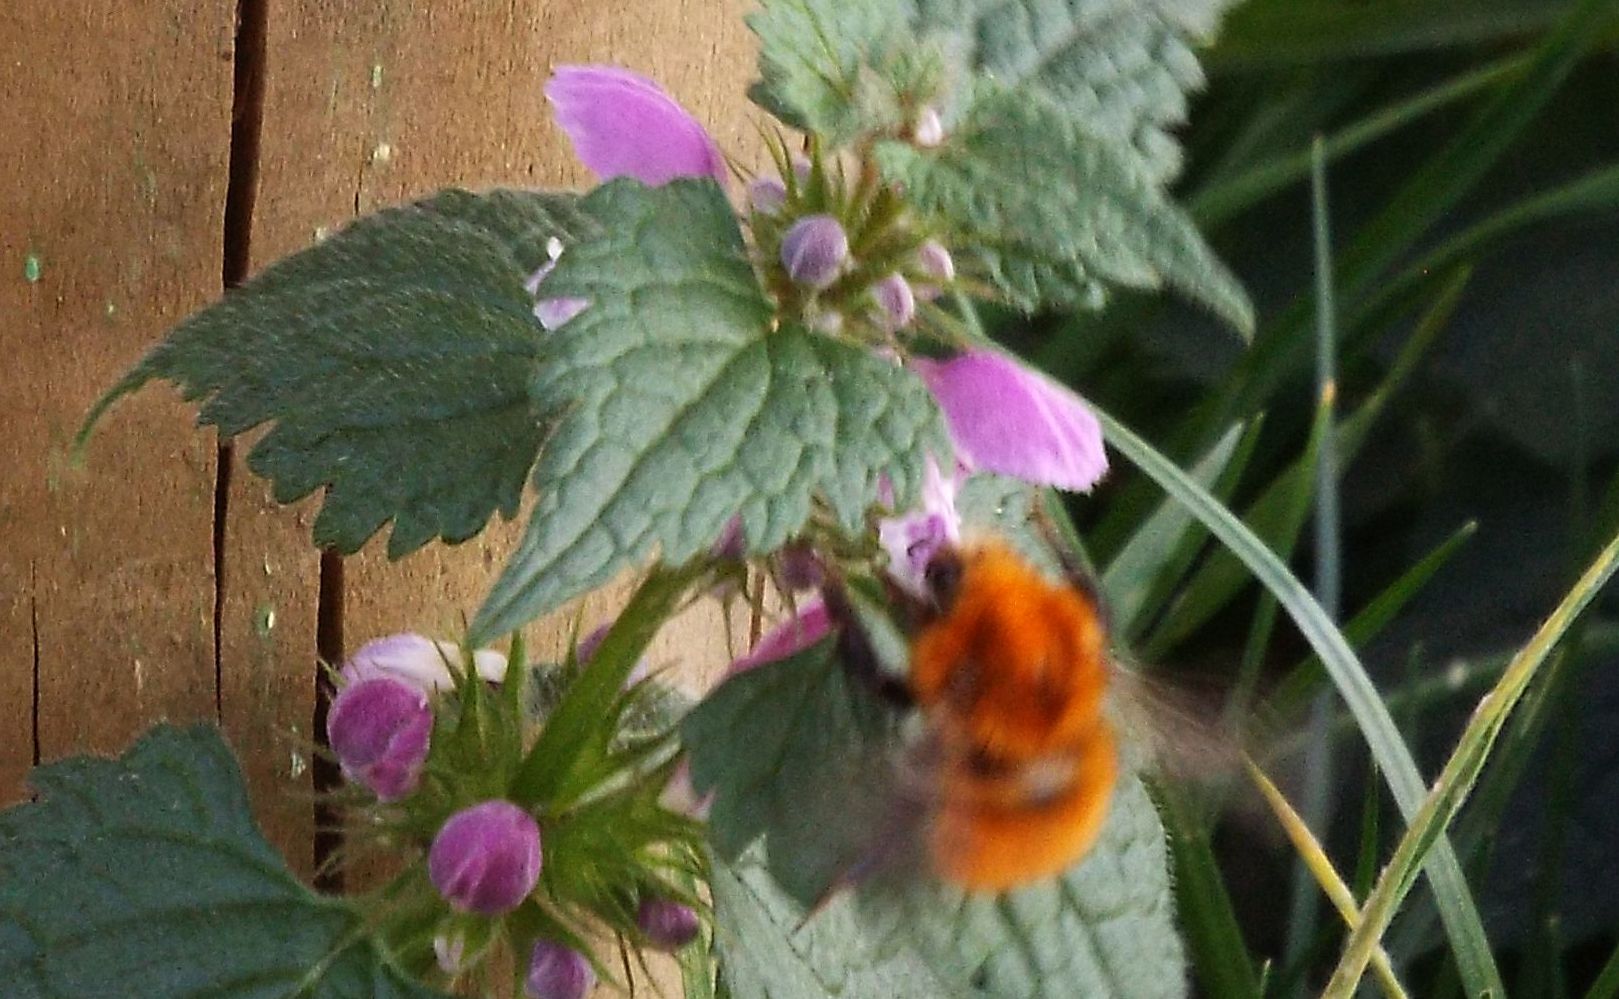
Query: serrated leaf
{"type": "Point", "coordinates": [816, 60]}
{"type": "Point", "coordinates": [677, 407]}
{"type": "Point", "coordinates": [768, 951]}
{"type": "Point", "coordinates": [393, 360]}
{"type": "Point", "coordinates": [1121, 68]}
{"type": "Point", "coordinates": [1105, 928]}
{"type": "Point", "coordinates": [1053, 215]}
{"type": "Point", "coordinates": [795, 756]}
{"type": "Point", "coordinates": [145, 876]}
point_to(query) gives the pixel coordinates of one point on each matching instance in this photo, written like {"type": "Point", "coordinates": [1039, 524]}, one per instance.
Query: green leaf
{"type": "Point", "coordinates": [1120, 67]}
{"type": "Point", "coordinates": [796, 756]}
{"type": "Point", "coordinates": [1053, 214]}
{"type": "Point", "coordinates": [393, 360]}
{"type": "Point", "coordinates": [1105, 928]}
{"type": "Point", "coordinates": [677, 407]}
{"type": "Point", "coordinates": [768, 951]}
{"type": "Point", "coordinates": [815, 59]}
{"type": "Point", "coordinates": [145, 876]}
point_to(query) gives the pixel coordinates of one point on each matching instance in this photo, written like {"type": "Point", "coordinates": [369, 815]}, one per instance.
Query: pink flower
{"type": "Point", "coordinates": [552, 312]}
{"type": "Point", "coordinates": [1011, 420]}
{"type": "Point", "coordinates": [623, 124]}
{"type": "Point", "coordinates": [912, 539]}
{"type": "Point", "coordinates": [809, 625]}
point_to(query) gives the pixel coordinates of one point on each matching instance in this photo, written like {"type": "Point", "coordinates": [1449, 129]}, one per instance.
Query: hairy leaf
{"type": "Point", "coordinates": [1054, 215]}
{"type": "Point", "coordinates": [817, 59]}
{"type": "Point", "coordinates": [1105, 928]}
{"type": "Point", "coordinates": [795, 756]}
{"type": "Point", "coordinates": [393, 360]}
{"type": "Point", "coordinates": [768, 951]}
{"type": "Point", "coordinates": [1122, 68]}
{"type": "Point", "coordinates": [677, 407]}
{"type": "Point", "coordinates": [145, 876]}
{"type": "Point", "coordinates": [801, 764]}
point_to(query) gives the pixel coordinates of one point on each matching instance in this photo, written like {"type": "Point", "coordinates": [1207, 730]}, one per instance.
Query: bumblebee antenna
{"type": "Point", "coordinates": [1076, 565]}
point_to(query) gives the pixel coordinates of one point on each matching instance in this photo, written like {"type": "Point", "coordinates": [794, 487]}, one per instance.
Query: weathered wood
{"type": "Point", "coordinates": [113, 146]}
{"type": "Point", "coordinates": [369, 104]}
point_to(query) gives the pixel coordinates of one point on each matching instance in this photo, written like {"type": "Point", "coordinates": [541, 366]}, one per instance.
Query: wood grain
{"type": "Point", "coordinates": [113, 141]}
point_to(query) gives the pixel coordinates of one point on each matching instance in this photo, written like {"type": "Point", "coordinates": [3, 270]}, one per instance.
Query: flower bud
{"type": "Point", "coordinates": [815, 250]}
{"type": "Point", "coordinates": [896, 305]}
{"type": "Point", "coordinates": [934, 261]}
{"type": "Point", "coordinates": [767, 195]}
{"type": "Point", "coordinates": [928, 130]}
{"type": "Point", "coordinates": [557, 972]}
{"type": "Point", "coordinates": [380, 730]}
{"type": "Point", "coordinates": [668, 925]}
{"type": "Point", "coordinates": [486, 859]}
{"type": "Point", "coordinates": [450, 949]}
{"type": "Point", "coordinates": [420, 662]}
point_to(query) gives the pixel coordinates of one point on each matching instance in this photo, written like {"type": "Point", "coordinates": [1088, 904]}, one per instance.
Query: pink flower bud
{"type": "Point", "coordinates": [668, 925]}
{"type": "Point", "coordinates": [767, 195]}
{"type": "Point", "coordinates": [553, 312]}
{"type": "Point", "coordinates": [421, 662]}
{"type": "Point", "coordinates": [380, 730]}
{"type": "Point", "coordinates": [815, 250]}
{"type": "Point", "coordinates": [933, 260]}
{"type": "Point", "coordinates": [808, 625]}
{"type": "Point", "coordinates": [896, 305]}
{"type": "Point", "coordinates": [928, 130]}
{"type": "Point", "coordinates": [557, 972]}
{"type": "Point", "coordinates": [486, 859]}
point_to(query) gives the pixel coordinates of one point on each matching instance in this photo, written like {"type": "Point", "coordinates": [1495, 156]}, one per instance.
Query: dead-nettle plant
{"type": "Point", "coordinates": [920, 782]}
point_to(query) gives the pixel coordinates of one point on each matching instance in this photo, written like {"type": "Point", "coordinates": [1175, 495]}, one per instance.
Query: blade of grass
{"type": "Point", "coordinates": [1388, 749]}
{"type": "Point", "coordinates": [1213, 935]}
{"type": "Point", "coordinates": [1217, 204]}
{"type": "Point", "coordinates": [1607, 984]}
{"type": "Point", "coordinates": [1427, 828]}
{"type": "Point", "coordinates": [1320, 762]}
{"type": "Point", "coordinates": [1310, 33]}
{"type": "Point", "coordinates": [1369, 621]}
{"type": "Point", "coordinates": [1151, 550]}
{"type": "Point", "coordinates": [1431, 191]}
{"type": "Point", "coordinates": [1272, 515]}
{"type": "Point", "coordinates": [1320, 866]}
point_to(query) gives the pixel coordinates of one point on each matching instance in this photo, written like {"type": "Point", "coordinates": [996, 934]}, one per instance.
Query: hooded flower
{"type": "Point", "coordinates": [913, 538]}
{"type": "Point", "coordinates": [1011, 420]}
{"type": "Point", "coordinates": [623, 124]}
{"type": "Point", "coordinates": [809, 625]}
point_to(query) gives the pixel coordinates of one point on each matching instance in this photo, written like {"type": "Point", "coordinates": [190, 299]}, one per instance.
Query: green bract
{"type": "Point", "coordinates": [145, 876]}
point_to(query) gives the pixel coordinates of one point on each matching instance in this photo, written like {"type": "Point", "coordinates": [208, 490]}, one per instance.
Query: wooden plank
{"type": "Point", "coordinates": [369, 104]}
{"type": "Point", "coordinates": [115, 126]}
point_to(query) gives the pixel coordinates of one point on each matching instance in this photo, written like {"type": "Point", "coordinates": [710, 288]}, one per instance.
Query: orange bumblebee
{"type": "Point", "coordinates": [1009, 671]}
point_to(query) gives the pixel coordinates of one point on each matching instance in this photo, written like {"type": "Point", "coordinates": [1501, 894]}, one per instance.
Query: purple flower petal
{"type": "Point", "coordinates": [815, 250]}
{"type": "Point", "coordinates": [623, 124]}
{"type": "Point", "coordinates": [668, 925]}
{"type": "Point", "coordinates": [809, 625]}
{"type": "Point", "coordinates": [1011, 420]}
{"type": "Point", "coordinates": [557, 972]}
{"type": "Point", "coordinates": [912, 539]}
{"type": "Point", "coordinates": [420, 661]}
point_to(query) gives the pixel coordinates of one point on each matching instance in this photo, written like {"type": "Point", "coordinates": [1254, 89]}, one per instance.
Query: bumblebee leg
{"type": "Point", "coordinates": [856, 651]}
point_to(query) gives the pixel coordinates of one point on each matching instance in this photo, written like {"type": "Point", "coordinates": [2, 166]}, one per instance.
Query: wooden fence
{"type": "Point", "coordinates": [152, 151]}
